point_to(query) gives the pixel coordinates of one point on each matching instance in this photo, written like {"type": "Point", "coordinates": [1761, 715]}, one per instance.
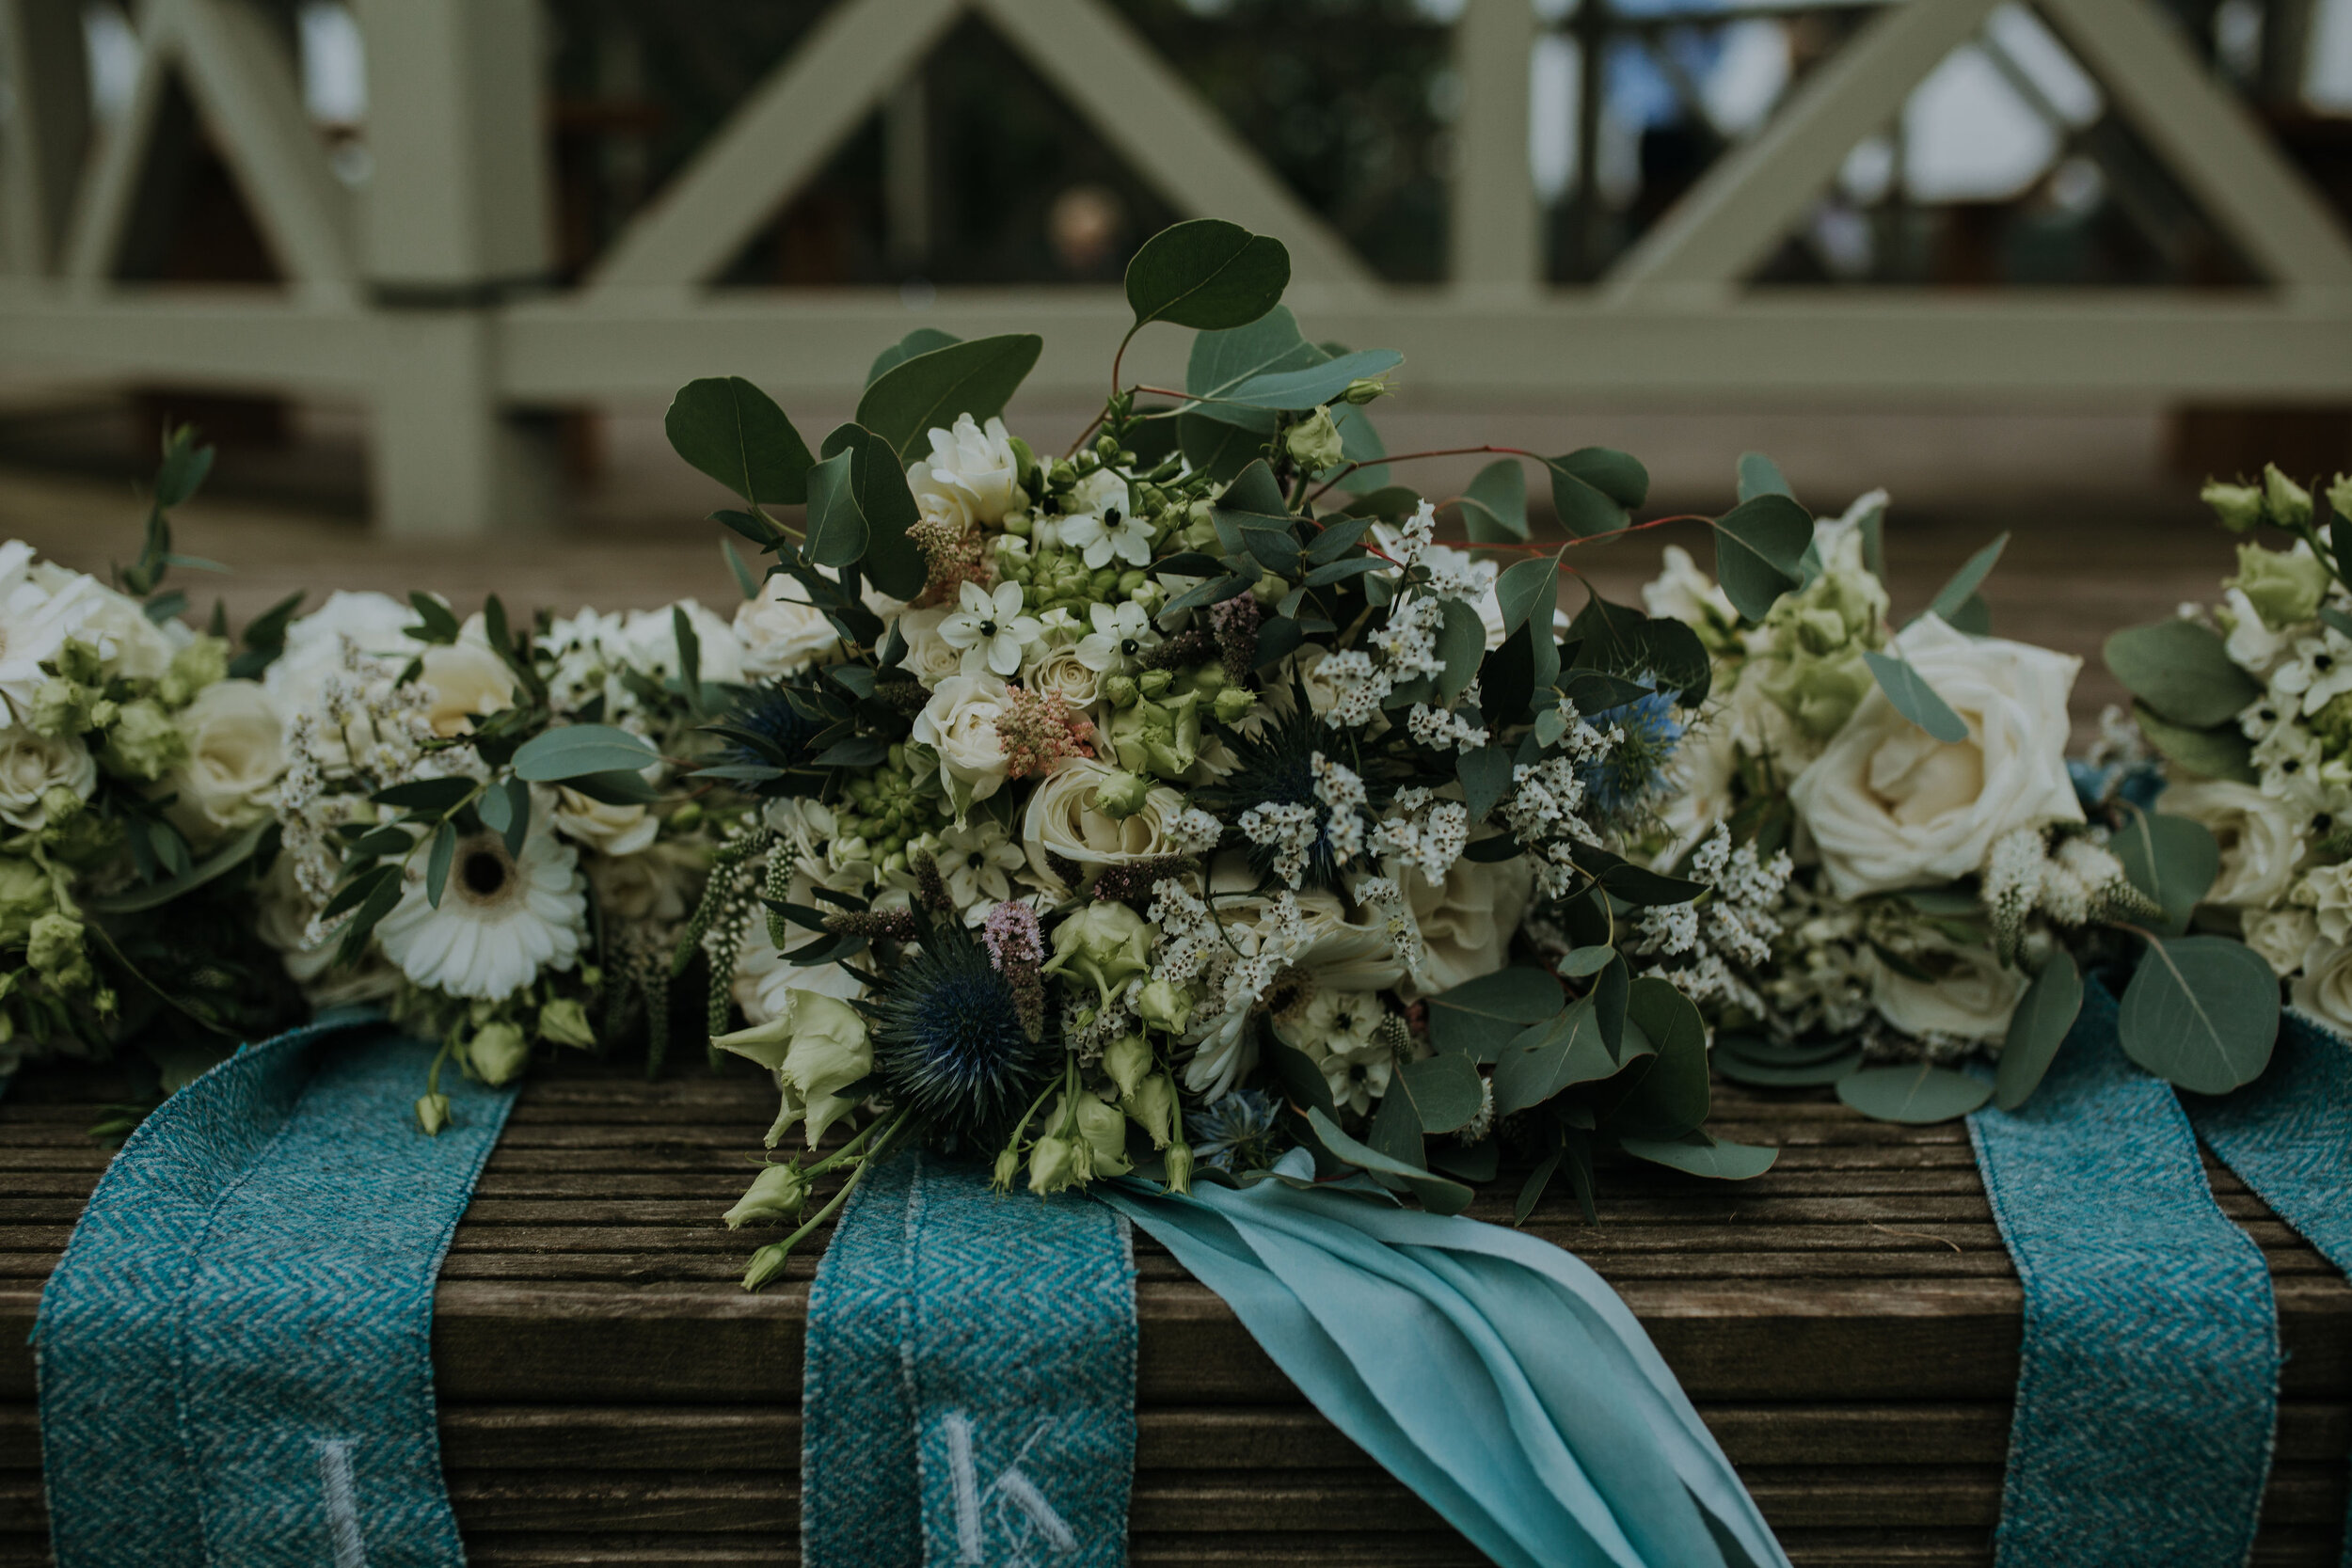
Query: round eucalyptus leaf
{"type": "Point", "coordinates": [1755, 1048]}
{"type": "Point", "coordinates": [2037, 1028]}
{"type": "Point", "coordinates": [1756, 1074]}
{"type": "Point", "coordinates": [2182, 670]}
{"type": "Point", "coordinates": [1917, 1094]}
{"type": "Point", "coordinates": [2201, 1013]}
{"type": "Point", "coordinates": [1207, 273]}
{"type": "Point", "coordinates": [1700, 1155]}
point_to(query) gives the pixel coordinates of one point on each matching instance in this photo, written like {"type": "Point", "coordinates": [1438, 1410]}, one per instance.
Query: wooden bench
{"type": "Point", "coordinates": [1848, 1324]}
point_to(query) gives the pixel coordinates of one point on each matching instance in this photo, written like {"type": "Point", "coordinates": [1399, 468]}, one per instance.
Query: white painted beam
{"type": "Point", "coordinates": [48, 129]}
{"type": "Point", "coordinates": [1496, 239]}
{"type": "Point", "coordinates": [103, 207]}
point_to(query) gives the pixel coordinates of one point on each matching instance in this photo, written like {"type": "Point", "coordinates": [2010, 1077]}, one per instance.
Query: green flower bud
{"type": "Point", "coordinates": [1158, 738]}
{"type": "Point", "coordinates": [1008, 1170]}
{"type": "Point", "coordinates": [433, 1112]}
{"type": "Point", "coordinates": [498, 1052]}
{"type": "Point", "coordinates": [61, 707]}
{"type": "Point", "coordinates": [1152, 1107]}
{"type": "Point", "coordinates": [1105, 1129]}
{"type": "Point", "coordinates": [1127, 1059]}
{"type": "Point", "coordinates": [1122, 796]}
{"type": "Point", "coordinates": [1180, 1167]}
{"type": "Point", "coordinates": [1102, 585]}
{"type": "Point", "coordinates": [565, 1021]}
{"type": "Point", "coordinates": [777, 1192]}
{"type": "Point", "coordinates": [1130, 581]}
{"type": "Point", "coordinates": [1154, 683]}
{"type": "Point", "coordinates": [2238, 506]}
{"type": "Point", "coordinates": [766, 1263]}
{"type": "Point", "coordinates": [1233, 703]}
{"type": "Point", "coordinates": [2339, 496]}
{"type": "Point", "coordinates": [27, 893]}
{"type": "Point", "coordinates": [1364, 389]}
{"type": "Point", "coordinates": [2290, 503]}
{"type": "Point", "coordinates": [2283, 586]}
{"type": "Point", "coordinates": [1151, 596]}
{"type": "Point", "coordinates": [1018, 524]}
{"type": "Point", "coordinates": [54, 949]}
{"type": "Point", "coordinates": [1106, 944]}
{"type": "Point", "coordinates": [686, 818]}
{"type": "Point", "coordinates": [1107, 448]}
{"type": "Point", "coordinates": [80, 662]}
{"type": "Point", "coordinates": [1054, 1165]}
{"type": "Point", "coordinates": [1314, 443]}
{"type": "Point", "coordinates": [1164, 1007]}
{"type": "Point", "coordinates": [204, 662]}
{"type": "Point", "coordinates": [1061, 476]}
{"type": "Point", "coordinates": [146, 743]}
{"type": "Point", "coordinates": [1121, 690]}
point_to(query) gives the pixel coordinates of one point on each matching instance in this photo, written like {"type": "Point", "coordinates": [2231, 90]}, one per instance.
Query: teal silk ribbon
{"type": "Point", "coordinates": [1496, 1375]}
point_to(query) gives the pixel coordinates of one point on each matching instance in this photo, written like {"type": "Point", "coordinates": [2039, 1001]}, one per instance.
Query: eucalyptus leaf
{"type": "Point", "coordinates": [2036, 1030]}
{"type": "Point", "coordinates": [1760, 476]}
{"type": "Point", "coordinates": [1445, 1090]}
{"type": "Point", "coordinates": [436, 863]}
{"type": "Point", "coordinates": [923, 339]}
{"type": "Point", "coordinates": [1547, 1057]}
{"type": "Point", "coordinates": [1494, 507]}
{"type": "Point", "coordinates": [573, 751]}
{"type": "Point", "coordinates": [1476, 1017]}
{"type": "Point", "coordinates": [1462, 644]}
{"type": "Point", "coordinates": [736, 434]}
{"type": "Point", "coordinates": [212, 866]}
{"type": "Point", "coordinates": [1220, 447]}
{"type": "Point", "coordinates": [1438, 1194]}
{"type": "Point", "coordinates": [879, 487]}
{"type": "Point", "coordinates": [1578, 963]}
{"type": "Point", "coordinates": [1761, 1072]}
{"type": "Point", "coordinates": [1915, 1094]}
{"type": "Point", "coordinates": [1914, 698]}
{"type": "Point", "coordinates": [1696, 1154]}
{"type": "Point", "coordinates": [1592, 490]}
{"type": "Point", "coordinates": [2172, 860]}
{"type": "Point", "coordinates": [1297, 391]}
{"type": "Point", "coordinates": [2201, 1013]}
{"type": "Point", "coordinates": [1667, 1096]}
{"type": "Point", "coordinates": [838, 530]}
{"type": "Point", "coordinates": [1485, 774]}
{"type": "Point", "coordinates": [1955, 595]}
{"type": "Point", "coordinates": [1361, 447]}
{"type": "Point", "coordinates": [2182, 671]}
{"type": "Point", "coordinates": [1759, 550]}
{"type": "Point", "coordinates": [2222, 752]}
{"type": "Point", "coordinates": [931, 390]}
{"type": "Point", "coordinates": [1208, 275]}
{"type": "Point", "coordinates": [1221, 361]}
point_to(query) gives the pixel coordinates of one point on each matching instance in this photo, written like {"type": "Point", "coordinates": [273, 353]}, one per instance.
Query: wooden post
{"type": "Point", "coordinates": [1495, 235]}
{"type": "Point", "coordinates": [457, 216]}
{"type": "Point", "coordinates": [47, 131]}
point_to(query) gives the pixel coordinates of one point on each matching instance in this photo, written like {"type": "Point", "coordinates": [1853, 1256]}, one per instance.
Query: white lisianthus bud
{"type": "Point", "coordinates": [777, 1192]}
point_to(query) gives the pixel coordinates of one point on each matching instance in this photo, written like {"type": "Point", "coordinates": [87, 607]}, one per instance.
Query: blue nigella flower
{"type": "Point", "coordinates": [1236, 1132]}
{"type": "Point", "coordinates": [1633, 774]}
{"type": "Point", "coordinates": [948, 1039]}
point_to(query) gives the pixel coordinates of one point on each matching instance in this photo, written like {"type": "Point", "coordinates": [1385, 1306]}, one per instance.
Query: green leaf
{"type": "Point", "coordinates": [1974, 616]}
{"type": "Point", "coordinates": [736, 434]}
{"type": "Point", "coordinates": [438, 621]}
{"type": "Point", "coordinates": [1302, 1081]}
{"type": "Point", "coordinates": [1593, 488]}
{"type": "Point", "coordinates": [1578, 963]}
{"type": "Point", "coordinates": [744, 579]}
{"type": "Point", "coordinates": [930, 390]}
{"type": "Point", "coordinates": [1547, 1057]}
{"type": "Point", "coordinates": [2037, 1028]}
{"type": "Point", "coordinates": [1208, 275]}
{"type": "Point", "coordinates": [1221, 361]}
{"type": "Point", "coordinates": [183, 470]}
{"type": "Point", "coordinates": [2201, 1013]}
{"type": "Point", "coordinates": [1476, 1017]}
{"type": "Point", "coordinates": [432, 795]}
{"type": "Point", "coordinates": [1532, 1190]}
{"type": "Point", "coordinates": [573, 751]}
{"type": "Point", "coordinates": [923, 339]}
{"type": "Point", "coordinates": [378, 903]}
{"type": "Point", "coordinates": [1763, 1070]}
{"type": "Point", "coordinates": [1494, 507]}
{"type": "Point", "coordinates": [1218, 448]}
{"type": "Point", "coordinates": [1667, 1096]}
{"type": "Point", "coordinates": [2171, 858]}
{"type": "Point", "coordinates": [2220, 752]}
{"type": "Point", "coordinates": [1361, 446]}
{"type": "Point", "coordinates": [1954, 595]}
{"type": "Point", "coordinates": [2182, 671]}
{"type": "Point", "coordinates": [1915, 699]}
{"type": "Point", "coordinates": [1696, 1154]}
{"type": "Point", "coordinates": [878, 483]}
{"type": "Point", "coordinates": [1462, 644]}
{"type": "Point", "coordinates": [1760, 551]}
{"type": "Point", "coordinates": [1295, 391]}
{"type": "Point", "coordinates": [1527, 588]}
{"type": "Point", "coordinates": [218, 864]}
{"type": "Point", "coordinates": [505, 810]}
{"type": "Point", "coordinates": [1255, 490]}
{"type": "Point", "coordinates": [838, 530]}
{"type": "Point", "coordinates": [437, 861]}
{"type": "Point", "coordinates": [1439, 1195]}
{"type": "Point", "coordinates": [1915, 1094]}
{"type": "Point", "coordinates": [1485, 774]}
{"type": "Point", "coordinates": [1760, 476]}
{"type": "Point", "coordinates": [1445, 1090]}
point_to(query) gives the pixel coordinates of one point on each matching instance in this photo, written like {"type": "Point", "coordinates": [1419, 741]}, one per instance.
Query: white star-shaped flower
{"type": "Point", "coordinates": [1120, 632]}
{"type": "Point", "coordinates": [989, 628]}
{"type": "Point", "coordinates": [1112, 532]}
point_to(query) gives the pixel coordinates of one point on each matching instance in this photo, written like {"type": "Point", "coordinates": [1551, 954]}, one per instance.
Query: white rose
{"type": "Point", "coordinates": [1064, 820]}
{"type": "Point", "coordinates": [959, 725]}
{"type": "Point", "coordinates": [651, 638]}
{"type": "Point", "coordinates": [1063, 673]}
{"type": "Point", "coordinates": [930, 658]}
{"type": "Point", "coordinates": [1343, 952]}
{"type": "Point", "coordinates": [1972, 1001]}
{"type": "Point", "coordinates": [2324, 989]}
{"type": "Point", "coordinates": [616, 831]}
{"type": "Point", "coordinates": [780, 631]}
{"type": "Point", "coordinates": [33, 765]}
{"type": "Point", "coordinates": [1890, 806]}
{"type": "Point", "coordinates": [1682, 593]}
{"type": "Point", "coordinates": [314, 644]}
{"type": "Point", "coordinates": [971, 466]}
{"type": "Point", "coordinates": [282, 915]}
{"type": "Point", "coordinates": [762, 978]}
{"type": "Point", "coordinates": [1466, 920]}
{"type": "Point", "coordinates": [236, 752]}
{"type": "Point", "coordinates": [2261, 838]}
{"type": "Point", "coordinates": [468, 681]}
{"type": "Point", "coordinates": [2282, 937]}
{"type": "Point", "coordinates": [117, 627]}
{"type": "Point", "coordinates": [2252, 645]}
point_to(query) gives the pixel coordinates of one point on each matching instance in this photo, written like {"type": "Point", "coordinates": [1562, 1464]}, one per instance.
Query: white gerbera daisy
{"type": "Point", "coordinates": [502, 918]}
{"type": "Point", "coordinates": [35, 622]}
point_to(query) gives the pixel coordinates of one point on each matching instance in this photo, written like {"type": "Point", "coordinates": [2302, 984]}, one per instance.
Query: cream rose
{"type": "Point", "coordinates": [372, 623]}
{"type": "Point", "coordinates": [1890, 806]}
{"type": "Point", "coordinates": [1466, 922]}
{"type": "Point", "coordinates": [1972, 1000]}
{"type": "Point", "coordinates": [2325, 988]}
{"type": "Point", "coordinates": [117, 626]}
{"type": "Point", "coordinates": [1061, 673]}
{"type": "Point", "coordinates": [959, 725]}
{"type": "Point", "coordinates": [236, 754]}
{"type": "Point", "coordinates": [1345, 951]}
{"type": "Point", "coordinates": [2282, 937]}
{"type": "Point", "coordinates": [1064, 819]}
{"type": "Point", "coordinates": [2261, 838]}
{"type": "Point", "coordinates": [780, 631]}
{"type": "Point", "coordinates": [611, 830]}
{"type": "Point", "coordinates": [468, 681]}
{"type": "Point", "coordinates": [930, 658]}
{"type": "Point", "coordinates": [971, 466]}
{"type": "Point", "coordinates": [31, 766]}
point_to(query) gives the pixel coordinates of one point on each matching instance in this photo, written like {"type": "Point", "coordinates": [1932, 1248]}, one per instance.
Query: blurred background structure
{"type": "Point", "coordinates": [433, 266]}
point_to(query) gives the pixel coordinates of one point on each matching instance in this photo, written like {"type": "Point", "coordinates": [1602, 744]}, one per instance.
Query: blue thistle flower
{"type": "Point", "coordinates": [766, 728]}
{"type": "Point", "coordinates": [1633, 775]}
{"type": "Point", "coordinates": [1237, 1132]}
{"type": "Point", "coordinates": [948, 1038]}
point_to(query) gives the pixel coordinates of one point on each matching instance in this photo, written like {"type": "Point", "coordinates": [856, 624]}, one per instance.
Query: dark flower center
{"type": "Point", "coordinates": [484, 871]}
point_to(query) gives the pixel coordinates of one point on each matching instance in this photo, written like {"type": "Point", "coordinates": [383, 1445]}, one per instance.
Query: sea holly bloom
{"type": "Point", "coordinates": [989, 628]}
{"type": "Point", "coordinates": [1122, 633]}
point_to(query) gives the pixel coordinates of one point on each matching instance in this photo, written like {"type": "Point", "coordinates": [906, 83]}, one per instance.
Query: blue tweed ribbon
{"type": "Point", "coordinates": [1493, 1373]}
{"type": "Point", "coordinates": [2288, 1136]}
{"type": "Point", "coordinates": [234, 1352]}
{"type": "Point", "coordinates": [2149, 1384]}
{"type": "Point", "coordinates": [969, 1394]}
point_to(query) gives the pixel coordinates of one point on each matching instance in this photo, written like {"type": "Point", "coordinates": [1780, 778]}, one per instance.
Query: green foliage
{"type": "Point", "coordinates": [1697, 1154]}
{"type": "Point", "coordinates": [867, 501]}
{"type": "Point", "coordinates": [1764, 1064]}
{"type": "Point", "coordinates": [1494, 507]}
{"type": "Point", "coordinates": [2037, 1029]}
{"type": "Point", "coordinates": [2201, 1013]}
{"type": "Point", "coordinates": [735, 432]}
{"type": "Point", "coordinates": [2181, 671]}
{"type": "Point", "coordinates": [1951, 602]}
{"type": "Point", "coordinates": [930, 389]}
{"type": "Point", "coordinates": [2220, 753]}
{"type": "Point", "coordinates": [1914, 698]}
{"type": "Point", "coordinates": [1760, 476]}
{"type": "Point", "coordinates": [572, 752]}
{"type": "Point", "coordinates": [1760, 551]}
{"type": "Point", "coordinates": [1594, 489]}
{"type": "Point", "coordinates": [1444, 1091]}
{"type": "Point", "coordinates": [1207, 274]}
{"type": "Point", "coordinates": [2171, 858]}
{"type": "Point", "coordinates": [1547, 1057]}
{"type": "Point", "coordinates": [923, 339]}
{"type": "Point", "coordinates": [1664, 1095]}
{"type": "Point", "coordinates": [1295, 391]}
{"type": "Point", "coordinates": [1916, 1093]}
{"type": "Point", "coordinates": [1438, 1194]}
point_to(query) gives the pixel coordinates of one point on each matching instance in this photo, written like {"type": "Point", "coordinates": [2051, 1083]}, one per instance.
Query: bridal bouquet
{"type": "Point", "coordinates": [2250, 701]}
{"type": "Point", "coordinates": [1952, 873]}
{"type": "Point", "coordinates": [135, 776]}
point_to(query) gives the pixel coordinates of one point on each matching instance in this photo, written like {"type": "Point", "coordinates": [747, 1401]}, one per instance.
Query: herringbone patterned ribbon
{"type": "Point", "coordinates": [2148, 1388]}
{"type": "Point", "coordinates": [235, 1352]}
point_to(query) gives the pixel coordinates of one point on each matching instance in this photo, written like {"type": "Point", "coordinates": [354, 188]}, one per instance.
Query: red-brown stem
{"type": "Point", "coordinates": [1437, 451]}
